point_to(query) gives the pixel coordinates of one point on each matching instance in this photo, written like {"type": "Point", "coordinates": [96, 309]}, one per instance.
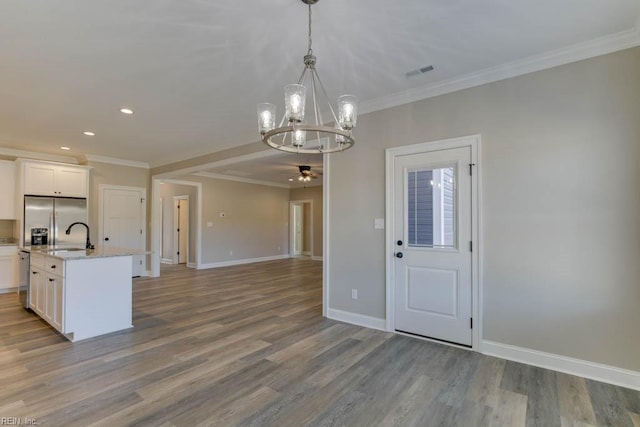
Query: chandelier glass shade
{"type": "Point", "coordinates": [302, 128]}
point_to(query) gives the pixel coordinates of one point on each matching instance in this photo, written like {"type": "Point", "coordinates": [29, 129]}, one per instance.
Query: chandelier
{"type": "Point", "coordinates": [294, 134]}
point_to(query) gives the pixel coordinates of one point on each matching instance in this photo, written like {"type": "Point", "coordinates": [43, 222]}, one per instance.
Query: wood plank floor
{"type": "Point", "coordinates": [247, 345]}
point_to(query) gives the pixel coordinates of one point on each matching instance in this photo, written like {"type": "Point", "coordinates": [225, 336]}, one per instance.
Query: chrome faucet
{"type": "Point", "coordinates": [88, 245]}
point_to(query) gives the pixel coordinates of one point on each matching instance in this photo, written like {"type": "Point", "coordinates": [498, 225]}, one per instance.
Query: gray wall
{"type": "Point", "coordinates": [315, 194]}
{"type": "Point", "coordinates": [560, 214]}
{"type": "Point", "coordinates": [167, 192]}
{"type": "Point", "coordinates": [255, 224]}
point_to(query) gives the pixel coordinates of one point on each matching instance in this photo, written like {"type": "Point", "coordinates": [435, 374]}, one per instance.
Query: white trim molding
{"type": "Point", "coordinates": [31, 155]}
{"type": "Point", "coordinates": [596, 47]}
{"type": "Point", "coordinates": [115, 161]}
{"type": "Point", "coordinates": [166, 261]}
{"type": "Point", "coordinates": [239, 179]}
{"type": "Point", "coordinates": [583, 368]}
{"type": "Point", "coordinates": [357, 319]}
{"type": "Point", "coordinates": [191, 265]}
{"type": "Point", "coordinates": [242, 261]}
{"type": "Point", "coordinates": [316, 258]}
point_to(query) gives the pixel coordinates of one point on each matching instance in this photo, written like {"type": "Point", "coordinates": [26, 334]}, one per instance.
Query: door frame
{"type": "Point", "coordinates": [101, 188]}
{"type": "Point", "coordinates": [474, 142]}
{"type": "Point", "coordinates": [176, 226]}
{"type": "Point", "coordinates": [292, 230]}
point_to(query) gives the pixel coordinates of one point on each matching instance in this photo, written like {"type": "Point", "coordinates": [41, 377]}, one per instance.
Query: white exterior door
{"type": "Point", "coordinates": [432, 244]}
{"type": "Point", "coordinates": [123, 222]}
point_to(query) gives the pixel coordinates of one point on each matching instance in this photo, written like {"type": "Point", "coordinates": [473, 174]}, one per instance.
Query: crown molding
{"type": "Point", "coordinates": [240, 179]}
{"type": "Point", "coordinates": [37, 156]}
{"type": "Point", "coordinates": [596, 47]}
{"type": "Point", "coordinates": [115, 161]}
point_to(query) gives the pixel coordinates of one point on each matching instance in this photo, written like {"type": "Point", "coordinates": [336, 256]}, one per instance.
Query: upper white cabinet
{"type": "Point", "coordinates": [7, 190]}
{"type": "Point", "coordinates": [50, 179]}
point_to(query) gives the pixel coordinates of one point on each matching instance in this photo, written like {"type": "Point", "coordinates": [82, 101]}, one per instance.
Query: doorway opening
{"type": "Point", "coordinates": [177, 210]}
{"type": "Point", "coordinates": [181, 229]}
{"type": "Point", "coordinates": [301, 228]}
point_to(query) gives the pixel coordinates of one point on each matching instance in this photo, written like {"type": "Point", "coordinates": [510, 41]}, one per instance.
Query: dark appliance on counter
{"type": "Point", "coordinates": [23, 289]}
{"type": "Point", "coordinates": [39, 236]}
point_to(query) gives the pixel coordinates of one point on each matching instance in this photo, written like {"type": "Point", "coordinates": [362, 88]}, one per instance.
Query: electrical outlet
{"type": "Point", "coordinates": [354, 294]}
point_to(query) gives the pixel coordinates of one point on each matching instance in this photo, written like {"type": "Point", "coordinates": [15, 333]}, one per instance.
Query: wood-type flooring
{"type": "Point", "coordinates": [247, 345]}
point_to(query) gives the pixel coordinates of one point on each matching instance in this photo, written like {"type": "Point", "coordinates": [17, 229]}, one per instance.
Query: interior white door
{"type": "Point", "coordinates": [181, 226]}
{"type": "Point", "coordinates": [123, 213]}
{"type": "Point", "coordinates": [432, 237]}
{"type": "Point", "coordinates": [297, 218]}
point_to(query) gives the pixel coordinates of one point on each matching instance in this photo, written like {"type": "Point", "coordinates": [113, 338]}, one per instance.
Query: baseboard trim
{"type": "Point", "coordinates": [595, 371]}
{"type": "Point", "coordinates": [241, 261]}
{"type": "Point", "coordinates": [316, 258]}
{"type": "Point", "coordinates": [357, 319]}
{"type": "Point", "coordinates": [8, 290]}
{"type": "Point", "coordinates": [191, 265]}
{"type": "Point", "coordinates": [166, 261]}
{"type": "Point", "coordinates": [306, 253]}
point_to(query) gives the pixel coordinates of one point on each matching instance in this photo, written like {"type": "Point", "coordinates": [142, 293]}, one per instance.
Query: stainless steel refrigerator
{"type": "Point", "coordinates": [47, 218]}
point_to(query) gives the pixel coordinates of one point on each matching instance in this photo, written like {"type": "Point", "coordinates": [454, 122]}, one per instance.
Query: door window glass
{"type": "Point", "coordinates": [431, 209]}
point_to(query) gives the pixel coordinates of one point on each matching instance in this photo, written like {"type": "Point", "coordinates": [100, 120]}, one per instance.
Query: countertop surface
{"type": "Point", "coordinates": [73, 253]}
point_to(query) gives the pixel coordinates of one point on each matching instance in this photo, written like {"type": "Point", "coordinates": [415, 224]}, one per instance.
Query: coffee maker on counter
{"type": "Point", "coordinates": [39, 236]}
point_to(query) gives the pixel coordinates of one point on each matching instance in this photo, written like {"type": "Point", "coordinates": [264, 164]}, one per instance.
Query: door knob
{"type": "Point", "coordinates": [399, 243]}
{"type": "Point", "coordinates": [106, 239]}
{"type": "Point", "coordinates": [399, 255]}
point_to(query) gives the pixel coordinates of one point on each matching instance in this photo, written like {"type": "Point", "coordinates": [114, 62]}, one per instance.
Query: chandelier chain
{"type": "Point", "coordinates": [310, 39]}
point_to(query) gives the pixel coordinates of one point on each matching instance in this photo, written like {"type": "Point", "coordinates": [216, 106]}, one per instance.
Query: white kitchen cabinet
{"type": "Point", "coordinates": [9, 266]}
{"type": "Point", "coordinates": [36, 290]}
{"type": "Point", "coordinates": [36, 284]}
{"type": "Point", "coordinates": [52, 179]}
{"type": "Point", "coordinates": [7, 190]}
{"type": "Point", "coordinates": [53, 284]}
{"type": "Point", "coordinates": [54, 300]}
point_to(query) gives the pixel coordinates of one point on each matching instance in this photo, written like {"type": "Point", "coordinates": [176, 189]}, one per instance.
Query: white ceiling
{"type": "Point", "coordinates": [274, 169]}
{"type": "Point", "coordinates": [193, 70]}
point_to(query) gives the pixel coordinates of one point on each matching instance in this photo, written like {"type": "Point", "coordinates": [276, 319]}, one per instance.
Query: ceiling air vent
{"type": "Point", "coordinates": [420, 70]}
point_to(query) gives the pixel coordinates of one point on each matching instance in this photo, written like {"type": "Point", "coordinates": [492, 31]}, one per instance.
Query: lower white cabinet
{"type": "Point", "coordinates": [47, 291]}
{"type": "Point", "coordinates": [9, 267]}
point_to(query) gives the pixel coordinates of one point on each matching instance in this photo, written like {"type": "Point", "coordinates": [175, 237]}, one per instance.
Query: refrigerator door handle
{"type": "Point", "coordinates": [53, 229]}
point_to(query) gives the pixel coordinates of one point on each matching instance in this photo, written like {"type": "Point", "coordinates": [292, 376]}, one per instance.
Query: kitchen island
{"type": "Point", "coordinates": [82, 293]}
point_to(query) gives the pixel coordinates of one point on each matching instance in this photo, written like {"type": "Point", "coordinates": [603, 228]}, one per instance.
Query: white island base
{"type": "Point", "coordinates": [97, 297]}
{"type": "Point", "coordinates": [82, 294]}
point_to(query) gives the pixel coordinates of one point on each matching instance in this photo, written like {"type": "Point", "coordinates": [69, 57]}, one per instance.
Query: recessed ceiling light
{"type": "Point", "coordinates": [65, 148]}
{"type": "Point", "coordinates": [89, 133]}
{"type": "Point", "coordinates": [126, 111]}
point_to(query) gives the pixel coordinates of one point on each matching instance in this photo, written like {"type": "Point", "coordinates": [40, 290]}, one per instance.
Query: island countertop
{"type": "Point", "coordinates": [72, 253]}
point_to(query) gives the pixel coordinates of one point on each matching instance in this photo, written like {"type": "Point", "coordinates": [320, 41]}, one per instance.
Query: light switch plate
{"type": "Point", "coordinates": [378, 223]}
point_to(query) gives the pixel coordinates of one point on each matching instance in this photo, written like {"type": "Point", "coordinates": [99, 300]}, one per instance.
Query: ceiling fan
{"type": "Point", "coordinates": [304, 174]}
